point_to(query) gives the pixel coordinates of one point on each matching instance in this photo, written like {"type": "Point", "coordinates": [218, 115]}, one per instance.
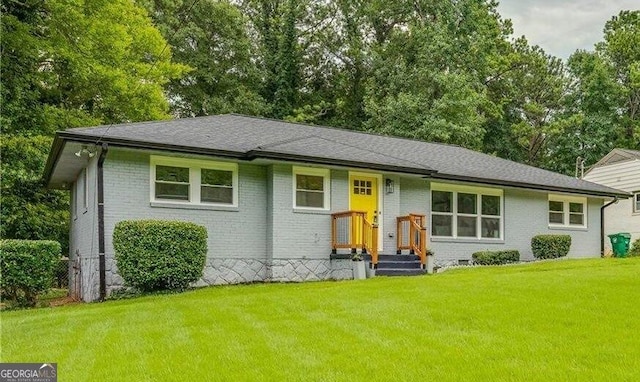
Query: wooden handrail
{"type": "Point", "coordinates": [351, 229]}
{"type": "Point", "coordinates": [416, 240]}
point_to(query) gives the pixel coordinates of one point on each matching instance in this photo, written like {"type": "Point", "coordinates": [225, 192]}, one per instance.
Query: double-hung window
{"type": "Point", "coordinates": [567, 211]}
{"type": "Point", "coordinates": [311, 188]}
{"type": "Point", "coordinates": [636, 202]}
{"type": "Point", "coordinates": [193, 182]}
{"type": "Point", "coordinates": [466, 212]}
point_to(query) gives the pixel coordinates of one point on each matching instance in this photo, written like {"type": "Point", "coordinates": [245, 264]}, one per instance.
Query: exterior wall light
{"type": "Point", "coordinates": [389, 186]}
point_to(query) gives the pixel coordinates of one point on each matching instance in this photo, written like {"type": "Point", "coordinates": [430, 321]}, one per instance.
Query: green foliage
{"type": "Point", "coordinates": [635, 249]}
{"type": "Point", "coordinates": [29, 210]}
{"type": "Point", "coordinates": [69, 63]}
{"type": "Point", "coordinates": [496, 257]}
{"type": "Point", "coordinates": [212, 38]}
{"type": "Point", "coordinates": [156, 254]}
{"type": "Point", "coordinates": [550, 246]}
{"type": "Point", "coordinates": [603, 97]}
{"type": "Point", "coordinates": [27, 268]}
{"type": "Point", "coordinates": [428, 79]}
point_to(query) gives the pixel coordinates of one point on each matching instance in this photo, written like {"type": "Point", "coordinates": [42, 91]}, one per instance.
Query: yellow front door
{"type": "Point", "coordinates": [364, 197]}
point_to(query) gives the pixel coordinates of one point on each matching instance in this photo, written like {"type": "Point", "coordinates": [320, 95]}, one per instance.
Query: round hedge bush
{"type": "Point", "coordinates": [158, 254]}
{"type": "Point", "coordinates": [550, 246]}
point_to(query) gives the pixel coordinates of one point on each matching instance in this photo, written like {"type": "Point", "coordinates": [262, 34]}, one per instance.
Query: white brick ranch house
{"type": "Point", "coordinates": [284, 201]}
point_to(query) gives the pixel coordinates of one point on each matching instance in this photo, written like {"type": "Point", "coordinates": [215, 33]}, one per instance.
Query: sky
{"type": "Point", "coordinates": [562, 26]}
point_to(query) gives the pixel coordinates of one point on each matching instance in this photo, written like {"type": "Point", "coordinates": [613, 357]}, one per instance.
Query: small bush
{"type": "Point", "coordinates": [550, 246]}
{"type": "Point", "coordinates": [27, 268]}
{"type": "Point", "coordinates": [635, 249]}
{"type": "Point", "coordinates": [496, 257]}
{"type": "Point", "coordinates": [155, 254]}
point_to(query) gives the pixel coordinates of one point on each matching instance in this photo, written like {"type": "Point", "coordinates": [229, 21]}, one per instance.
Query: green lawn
{"type": "Point", "coordinates": [562, 320]}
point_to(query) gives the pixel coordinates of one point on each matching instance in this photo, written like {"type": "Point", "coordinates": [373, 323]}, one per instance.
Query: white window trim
{"type": "Point", "coordinates": [478, 191]}
{"type": "Point", "coordinates": [195, 166]}
{"type": "Point", "coordinates": [635, 201]}
{"type": "Point", "coordinates": [566, 199]}
{"type": "Point", "coordinates": [326, 181]}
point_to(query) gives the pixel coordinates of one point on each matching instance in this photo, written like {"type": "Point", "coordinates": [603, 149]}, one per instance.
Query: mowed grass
{"type": "Point", "coordinates": [562, 320]}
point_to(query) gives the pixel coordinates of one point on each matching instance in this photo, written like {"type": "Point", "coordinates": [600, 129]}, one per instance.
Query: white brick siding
{"type": "Point", "coordinates": [266, 232]}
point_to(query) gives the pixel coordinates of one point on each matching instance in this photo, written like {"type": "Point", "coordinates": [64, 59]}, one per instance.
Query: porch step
{"type": "Point", "coordinates": [399, 265]}
{"type": "Point", "coordinates": [399, 272]}
{"type": "Point", "coordinates": [398, 257]}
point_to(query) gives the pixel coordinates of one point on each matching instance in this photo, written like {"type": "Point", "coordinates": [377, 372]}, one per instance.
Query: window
{"type": "Point", "coordinates": [636, 202]}
{"type": "Point", "coordinates": [361, 187]}
{"type": "Point", "coordinates": [466, 212]}
{"type": "Point", "coordinates": [567, 211]}
{"type": "Point", "coordinates": [311, 188]}
{"type": "Point", "coordinates": [172, 183]}
{"type": "Point", "coordinates": [193, 182]}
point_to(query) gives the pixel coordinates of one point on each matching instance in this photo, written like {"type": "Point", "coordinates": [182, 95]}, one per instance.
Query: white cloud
{"type": "Point", "coordinates": [562, 26]}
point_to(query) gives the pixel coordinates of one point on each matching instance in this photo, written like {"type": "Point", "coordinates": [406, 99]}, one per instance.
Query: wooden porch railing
{"type": "Point", "coordinates": [412, 235]}
{"type": "Point", "coordinates": [351, 229]}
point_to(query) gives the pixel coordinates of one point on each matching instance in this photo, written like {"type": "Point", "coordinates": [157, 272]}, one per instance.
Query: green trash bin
{"type": "Point", "coordinates": [620, 243]}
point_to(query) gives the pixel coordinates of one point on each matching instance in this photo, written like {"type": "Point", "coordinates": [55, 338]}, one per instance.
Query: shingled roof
{"type": "Point", "coordinates": [249, 138]}
{"type": "Point", "coordinates": [617, 156]}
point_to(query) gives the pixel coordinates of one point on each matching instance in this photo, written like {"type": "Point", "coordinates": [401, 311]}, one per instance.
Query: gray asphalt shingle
{"type": "Point", "coordinates": [244, 134]}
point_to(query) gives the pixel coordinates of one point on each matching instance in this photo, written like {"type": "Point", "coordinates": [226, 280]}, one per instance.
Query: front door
{"type": "Point", "coordinates": [364, 197]}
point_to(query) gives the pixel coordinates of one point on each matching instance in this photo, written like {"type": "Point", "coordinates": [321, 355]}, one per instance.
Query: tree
{"type": "Point", "coordinates": [212, 38]}
{"type": "Point", "coordinates": [538, 84]}
{"type": "Point", "coordinates": [621, 50]}
{"type": "Point", "coordinates": [428, 78]}
{"type": "Point", "coordinates": [602, 105]}
{"type": "Point", "coordinates": [69, 63]}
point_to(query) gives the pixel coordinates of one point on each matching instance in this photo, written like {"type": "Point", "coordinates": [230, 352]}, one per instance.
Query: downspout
{"type": "Point", "coordinates": [101, 258]}
{"type": "Point", "coordinates": [615, 200]}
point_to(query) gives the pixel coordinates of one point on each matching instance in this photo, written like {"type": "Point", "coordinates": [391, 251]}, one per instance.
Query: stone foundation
{"type": "Point", "coordinates": [232, 271]}
{"type": "Point", "coordinates": [239, 271]}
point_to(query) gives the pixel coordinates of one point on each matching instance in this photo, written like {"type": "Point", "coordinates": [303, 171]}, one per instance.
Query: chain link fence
{"type": "Point", "coordinates": [61, 280]}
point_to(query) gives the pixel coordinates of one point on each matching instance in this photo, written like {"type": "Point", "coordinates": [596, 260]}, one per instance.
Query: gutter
{"type": "Point", "coordinates": [524, 185]}
{"type": "Point", "coordinates": [101, 250]}
{"type": "Point", "coordinates": [615, 200]}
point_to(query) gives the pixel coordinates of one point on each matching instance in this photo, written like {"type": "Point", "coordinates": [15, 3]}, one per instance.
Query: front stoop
{"type": "Point", "coordinates": [399, 265]}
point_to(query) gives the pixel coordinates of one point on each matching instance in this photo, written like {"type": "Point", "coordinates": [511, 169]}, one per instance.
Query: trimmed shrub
{"type": "Point", "coordinates": [635, 249]}
{"type": "Point", "coordinates": [158, 254]}
{"type": "Point", "coordinates": [550, 246]}
{"type": "Point", "coordinates": [27, 268]}
{"type": "Point", "coordinates": [496, 257]}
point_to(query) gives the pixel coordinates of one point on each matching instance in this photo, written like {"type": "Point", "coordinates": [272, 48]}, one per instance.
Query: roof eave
{"type": "Point", "coordinates": [530, 186]}
{"type": "Point", "coordinates": [52, 159]}
{"type": "Point", "coordinates": [255, 154]}
{"type": "Point", "coordinates": [63, 136]}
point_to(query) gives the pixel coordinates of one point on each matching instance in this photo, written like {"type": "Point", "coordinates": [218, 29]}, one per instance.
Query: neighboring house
{"type": "Point", "coordinates": [620, 169]}
{"type": "Point", "coordinates": [273, 196]}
